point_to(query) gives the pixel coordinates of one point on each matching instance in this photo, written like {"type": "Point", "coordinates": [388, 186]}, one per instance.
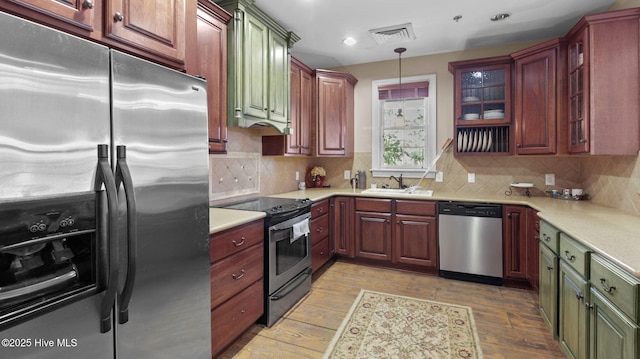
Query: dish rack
{"type": "Point", "coordinates": [482, 139]}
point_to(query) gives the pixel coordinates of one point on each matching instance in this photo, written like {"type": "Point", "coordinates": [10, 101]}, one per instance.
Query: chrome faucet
{"type": "Point", "coordinates": [400, 185]}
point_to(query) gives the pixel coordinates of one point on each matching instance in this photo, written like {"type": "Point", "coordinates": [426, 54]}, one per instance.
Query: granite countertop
{"type": "Point", "coordinates": [610, 232]}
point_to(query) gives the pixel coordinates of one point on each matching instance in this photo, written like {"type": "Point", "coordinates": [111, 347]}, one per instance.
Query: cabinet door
{"type": "Point", "coordinates": [535, 103]}
{"type": "Point", "coordinates": [255, 60]}
{"type": "Point", "coordinates": [306, 113]}
{"type": "Point", "coordinates": [515, 242]}
{"type": "Point", "coordinates": [331, 117]}
{"type": "Point", "coordinates": [342, 226]}
{"type": "Point", "coordinates": [548, 290]}
{"type": "Point", "coordinates": [573, 324]}
{"type": "Point", "coordinates": [533, 252]}
{"type": "Point", "coordinates": [79, 14]}
{"type": "Point", "coordinates": [212, 65]}
{"type": "Point", "coordinates": [373, 235]}
{"type": "Point", "coordinates": [278, 79]}
{"type": "Point", "coordinates": [156, 26]}
{"type": "Point", "coordinates": [578, 93]}
{"type": "Point", "coordinates": [301, 109]}
{"type": "Point", "coordinates": [416, 241]}
{"type": "Point", "coordinates": [612, 334]}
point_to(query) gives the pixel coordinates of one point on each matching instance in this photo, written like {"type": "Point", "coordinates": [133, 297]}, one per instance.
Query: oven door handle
{"type": "Point", "coordinates": [290, 222]}
{"type": "Point", "coordinates": [123, 176]}
{"type": "Point", "coordinates": [104, 176]}
{"type": "Point", "coordinates": [291, 286]}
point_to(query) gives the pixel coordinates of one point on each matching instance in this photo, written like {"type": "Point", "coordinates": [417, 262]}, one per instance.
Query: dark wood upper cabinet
{"type": "Point", "coordinates": [155, 26]}
{"type": "Point", "coordinates": [603, 106]}
{"type": "Point", "coordinates": [207, 57]}
{"type": "Point", "coordinates": [75, 16]}
{"type": "Point", "coordinates": [539, 99]}
{"type": "Point", "coordinates": [334, 113]}
{"type": "Point", "coordinates": [153, 29]}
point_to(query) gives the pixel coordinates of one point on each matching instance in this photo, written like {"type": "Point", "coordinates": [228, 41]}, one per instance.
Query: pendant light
{"type": "Point", "coordinates": [399, 51]}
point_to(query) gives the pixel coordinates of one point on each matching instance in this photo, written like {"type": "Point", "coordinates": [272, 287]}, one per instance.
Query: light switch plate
{"type": "Point", "coordinates": [550, 179]}
{"type": "Point", "coordinates": [297, 175]}
{"type": "Point", "coordinates": [439, 177]}
{"type": "Point", "coordinates": [347, 174]}
{"type": "Point", "coordinates": [471, 177]}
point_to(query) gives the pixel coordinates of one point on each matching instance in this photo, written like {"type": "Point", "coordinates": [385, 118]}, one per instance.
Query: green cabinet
{"type": "Point", "coordinates": [615, 312]}
{"type": "Point", "coordinates": [258, 64]}
{"type": "Point", "coordinates": [591, 304]}
{"type": "Point", "coordinates": [573, 326]}
{"type": "Point", "coordinates": [548, 288]}
{"type": "Point", "coordinates": [612, 334]}
{"type": "Point", "coordinates": [548, 273]}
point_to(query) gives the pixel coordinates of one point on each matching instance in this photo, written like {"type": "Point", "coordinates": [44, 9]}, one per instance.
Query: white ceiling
{"type": "Point", "coordinates": [323, 24]}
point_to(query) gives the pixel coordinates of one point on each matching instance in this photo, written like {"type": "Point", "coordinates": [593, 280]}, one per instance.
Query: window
{"type": "Point", "coordinates": [403, 126]}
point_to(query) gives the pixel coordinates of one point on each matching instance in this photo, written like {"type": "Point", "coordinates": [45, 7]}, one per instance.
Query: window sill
{"type": "Point", "coordinates": [405, 173]}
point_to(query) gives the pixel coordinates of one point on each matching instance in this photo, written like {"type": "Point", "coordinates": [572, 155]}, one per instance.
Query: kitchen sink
{"type": "Point", "coordinates": [402, 191]}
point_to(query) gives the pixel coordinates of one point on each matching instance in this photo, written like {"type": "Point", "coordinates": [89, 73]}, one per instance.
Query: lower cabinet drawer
{"type": "Point", "coordinates": [320, 254]}
{"type": "Point", "coordinates": [234, 317]}
{"type": "Point", "coordinates": [234, 273]}
{"type": "Point", "coordinates": [319, 229]}
{"type": "Point", "coordinates": [574, 254]}
{"type": "Point", "coordinates": [619, 287]}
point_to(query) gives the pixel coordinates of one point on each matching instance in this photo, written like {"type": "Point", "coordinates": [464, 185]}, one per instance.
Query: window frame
{"type": "Point", "coordinates": [430, 128]}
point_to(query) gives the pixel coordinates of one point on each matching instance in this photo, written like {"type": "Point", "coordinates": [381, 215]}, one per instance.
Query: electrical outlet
{"type": "Point", "coordinates": [297, 175]}
{"type": "Point", "coordinates": [471, 177]}
{"type": "Point", "coordinates": [347, 174]}
{"type": "Point", "coordinates": [550, 179]}
{"type": "Point", "coordinates": [439, 177]}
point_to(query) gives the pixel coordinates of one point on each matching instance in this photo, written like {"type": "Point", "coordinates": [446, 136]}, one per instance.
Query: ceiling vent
{"type": "Point", "coordinates": [396, 33]}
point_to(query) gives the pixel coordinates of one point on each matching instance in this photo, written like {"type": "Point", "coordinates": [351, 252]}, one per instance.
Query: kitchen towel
{"type": "Point", "coordinates": [300, 229]}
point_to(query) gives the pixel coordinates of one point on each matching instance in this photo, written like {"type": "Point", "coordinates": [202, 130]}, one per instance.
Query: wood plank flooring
{"type": "Point", "coordinates": [508, 321]}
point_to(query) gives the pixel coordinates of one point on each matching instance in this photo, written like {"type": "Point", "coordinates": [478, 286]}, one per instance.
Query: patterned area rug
{"type": "Point", "coordinates": [381, 325]}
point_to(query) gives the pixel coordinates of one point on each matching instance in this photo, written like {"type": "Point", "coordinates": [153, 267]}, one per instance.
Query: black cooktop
{"type": "Point", "coordinates": [273, 205]}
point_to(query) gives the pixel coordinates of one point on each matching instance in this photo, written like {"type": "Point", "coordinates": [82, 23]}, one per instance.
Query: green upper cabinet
{"type": "Point", "coordinates": [258, 65]}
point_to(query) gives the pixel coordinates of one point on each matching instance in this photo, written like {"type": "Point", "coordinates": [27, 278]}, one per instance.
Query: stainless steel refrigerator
{"type": "Point", "coordinates": [79, 120]}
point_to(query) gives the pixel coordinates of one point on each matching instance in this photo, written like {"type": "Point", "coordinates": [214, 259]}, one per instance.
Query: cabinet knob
{"type": "Point", "coordinates": [117, 17]}
{"type": "Point", "coordinates": [518, 145]}
{"type": "Point", "coordinates": [87, 4]}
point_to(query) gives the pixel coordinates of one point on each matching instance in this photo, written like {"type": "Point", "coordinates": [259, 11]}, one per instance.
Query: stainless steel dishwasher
{"type": "Point", "coordinates": [470, 241]}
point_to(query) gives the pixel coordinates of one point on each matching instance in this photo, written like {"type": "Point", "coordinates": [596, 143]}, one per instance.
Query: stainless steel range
{"type": "Point", "coordinates": [287, 252]}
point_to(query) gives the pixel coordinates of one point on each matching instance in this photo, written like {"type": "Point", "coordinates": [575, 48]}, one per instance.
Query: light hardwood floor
{"type": "Point", "coordinates": [508, 321]}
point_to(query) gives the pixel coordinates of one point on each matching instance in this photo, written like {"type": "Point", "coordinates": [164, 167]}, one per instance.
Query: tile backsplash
{"type": "Point", "coordinates": [612, 181]}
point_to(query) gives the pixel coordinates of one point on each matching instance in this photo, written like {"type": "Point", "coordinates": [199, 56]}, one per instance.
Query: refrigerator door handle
{"type": "Point", "coordinates": [123, 176]}
{"type": "Point", "coordinates": [104, 176]}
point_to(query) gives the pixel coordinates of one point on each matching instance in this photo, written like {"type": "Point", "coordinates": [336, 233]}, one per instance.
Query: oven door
{"type": "Point", "coordinates": [289, 250]}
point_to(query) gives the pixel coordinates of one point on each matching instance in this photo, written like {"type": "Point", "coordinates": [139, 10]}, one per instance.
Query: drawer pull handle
{"type": "Point", "coordinates": [546, 238]}
{"type": "Point", "coordinates": [236, 276]}
{"type": "Point", "coordinates": [570, 258]}
{"type": "Point", "coordinates": [319, 209]}
{"type": "Point", "coordinates": [320, 230]}
{"type": "Point", "coordinates": [549, 267]}
{"type": "Point", "coordinates": [238, 244]}
{"type": "Point", "coordinates": [603, 283]}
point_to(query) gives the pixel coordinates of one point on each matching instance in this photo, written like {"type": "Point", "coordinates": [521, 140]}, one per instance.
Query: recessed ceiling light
{"type": "Point", "coordinates": [349, 41]}
{"type": "Point", "coordinates": [500, 17]}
